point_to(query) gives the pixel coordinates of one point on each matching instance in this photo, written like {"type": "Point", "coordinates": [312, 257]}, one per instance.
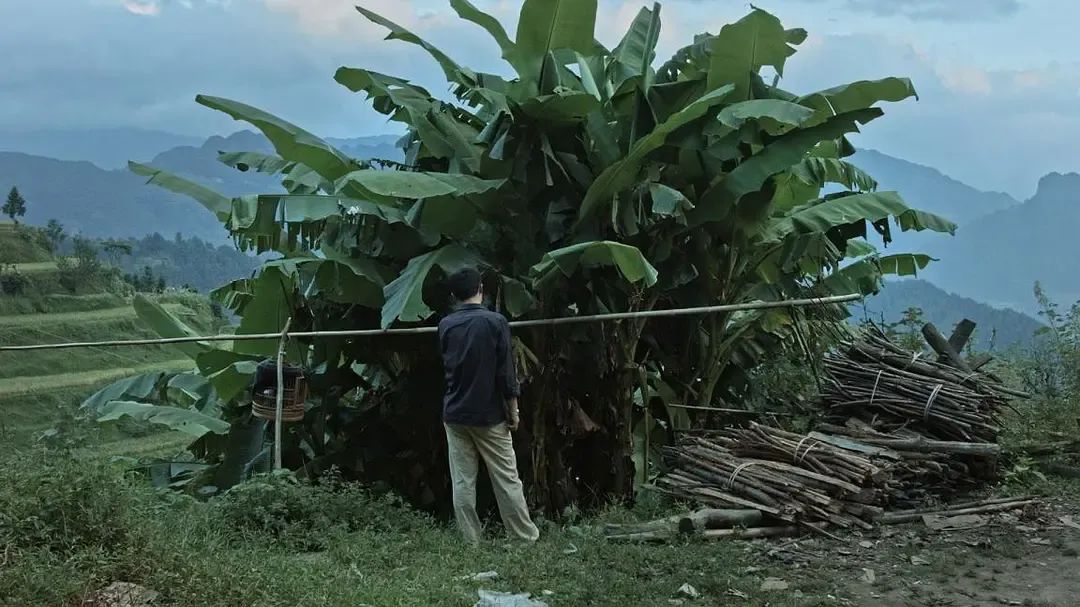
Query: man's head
{"type": "Point", "coordinates": [466, 285]}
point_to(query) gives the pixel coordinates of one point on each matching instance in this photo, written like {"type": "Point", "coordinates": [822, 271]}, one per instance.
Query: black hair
{"type": "Point", "coordinates": [464, 283]}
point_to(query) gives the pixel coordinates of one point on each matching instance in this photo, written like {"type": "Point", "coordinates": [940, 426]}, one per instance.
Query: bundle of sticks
{"type": "Point", "coordinates": [890, 389]}
{"type": "Point", "coordinates": [940, 416]}
{"type": "Point", "coordinates": [788, 477]}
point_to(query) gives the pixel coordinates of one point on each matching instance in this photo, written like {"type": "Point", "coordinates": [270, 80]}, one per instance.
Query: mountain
{"type": "Point", "coordinates": [116, 203]}
{"type": "Point", "coordinates": [106, 148]}
{"type": "Point", "coordinates": [95, 202]}
{"type": "Point", "coordinates": [928, 189]}
{"type": "Point", "coordinates": [998, 257]}
{"type": "Point", "coordinates": [1001, 328]}
{"type": "Point", "coordinates": [200, 162]}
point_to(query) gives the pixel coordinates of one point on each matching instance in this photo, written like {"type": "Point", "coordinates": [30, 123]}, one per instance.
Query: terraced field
{"type": "Point", "coordinates": [42, 389]}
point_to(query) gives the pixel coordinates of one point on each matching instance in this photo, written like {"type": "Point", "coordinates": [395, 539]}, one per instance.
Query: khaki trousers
{"type": "Point", "coordinates": [466, 446]}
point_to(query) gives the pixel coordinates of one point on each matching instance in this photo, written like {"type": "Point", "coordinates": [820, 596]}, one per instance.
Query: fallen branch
{"type": "Point", "coordinates": [894, 519]}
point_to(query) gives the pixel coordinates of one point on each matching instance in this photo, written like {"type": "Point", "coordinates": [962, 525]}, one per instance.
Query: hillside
{"type": "Point", "coordinates": [40, 390]}
{"type": "Point", "coordinates": [997, 258]}
{"type": "Point", "coordinates": [95, 202]}
{"type": "Point", "coordinates": [1003, 327]}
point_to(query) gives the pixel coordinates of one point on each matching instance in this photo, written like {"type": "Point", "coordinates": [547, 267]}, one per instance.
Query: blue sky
{"type": "Point", "coordinates": [999, 80]}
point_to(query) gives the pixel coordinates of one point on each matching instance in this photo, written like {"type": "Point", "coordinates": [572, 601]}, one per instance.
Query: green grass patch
{"type": "Point", "coordinates": [51, 362]}
{"type": "Point", "coordinates": [109, 314]}
{"type": "Point", "coordinates": [275, 542]}
{"type": "Point", "coordinates": [18, 244]}
{"type": "Point", "coordinates": [45, 304]}
{"type": "Point", "coordinates": [22, 386]}
{"type": "Point", "coordinates": [36, 267]}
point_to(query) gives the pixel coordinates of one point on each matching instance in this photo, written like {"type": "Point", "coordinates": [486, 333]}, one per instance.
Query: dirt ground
{"type": "Point", "coordinates": [1027, 558]}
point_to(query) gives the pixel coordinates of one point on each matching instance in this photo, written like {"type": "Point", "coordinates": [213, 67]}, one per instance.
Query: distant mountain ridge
{"type": "Point", "coordinates": [106, 148]}
{"type": "Point", "coordinates": [997, 327]}
{"type": "Point", "coordinates": [927, 188]}
{"type": "Point", "coordinates": [117, 203]}
{"type": "Point", "coordinates": [998, 257]}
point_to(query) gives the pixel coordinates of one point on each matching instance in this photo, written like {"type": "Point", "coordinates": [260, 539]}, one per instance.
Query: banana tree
{"type": "Point", "coordinates": [585, 180]}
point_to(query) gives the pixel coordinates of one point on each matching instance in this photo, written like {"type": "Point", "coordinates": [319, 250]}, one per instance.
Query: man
{"type": "Point", "coordinates": [480, 408]}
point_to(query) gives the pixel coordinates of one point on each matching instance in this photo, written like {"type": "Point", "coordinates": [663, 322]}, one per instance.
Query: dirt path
{"type": "Point", "coordinates": [1027, 558]}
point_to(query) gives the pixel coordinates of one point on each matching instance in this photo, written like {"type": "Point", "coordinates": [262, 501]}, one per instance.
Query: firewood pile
{"type": "Point", "coordinates": [789, 477]}
{"type": "Point", "coordinates": [892, 390]}
{"type": "Point", "coordinates": [939, 415]}
{"type": "Point", "coordinates": [897, 428]}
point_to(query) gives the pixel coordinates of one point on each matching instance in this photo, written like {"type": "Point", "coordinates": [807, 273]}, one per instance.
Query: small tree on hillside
{"type": "Point", "coordinates": [15, 206]}
{"type": "Point", "coordinates": [54, 230]}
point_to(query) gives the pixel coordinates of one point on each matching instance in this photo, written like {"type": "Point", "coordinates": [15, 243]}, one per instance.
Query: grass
{"type": "Point", "coordinates": [36, 267]}
{"type": "Point", "coordinates": [56, 303]}
{"type": "Point", "coordinates": [241, 550]}
{"type": "Point", "coordinates": [21, 386]}
{"type": "Point", "coordinates": [18, 364]}
{"type": "Point", "coordinates": [108, 314]}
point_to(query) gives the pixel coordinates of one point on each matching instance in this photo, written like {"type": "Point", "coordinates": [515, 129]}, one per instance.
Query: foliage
{"type": "Point", "coordinates": [12, 282]}
{"type": "Point", "coordinates": [589, 182]}
{"type": "Point", "coordinates": [299, 515]}
{"type": "Point", "coordinates": [146, 281]}
{"type": "Point", "coordinates": [83, 270]}
{"type": "Point", "coordinates": [181, 261]}
{"type": "Point", "coordinates": [60, 504]}
{"type": "Point", "coordinates": [54, 230]}
{"type": "Point", "coordinates": [15, 205]}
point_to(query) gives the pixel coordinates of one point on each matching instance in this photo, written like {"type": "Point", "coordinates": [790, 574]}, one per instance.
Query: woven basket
{"type": "Point", "coordinates": [264, 403]}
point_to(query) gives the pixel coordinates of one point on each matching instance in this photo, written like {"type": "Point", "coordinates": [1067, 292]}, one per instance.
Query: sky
{"type": "Point", "coordinates": [998, 80]}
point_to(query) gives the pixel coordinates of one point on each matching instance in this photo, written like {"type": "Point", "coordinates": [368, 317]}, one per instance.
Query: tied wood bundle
{"type": "Point", "coordinates": [891, 389]}
{"type": "Point", "coordinates": [792, 478]}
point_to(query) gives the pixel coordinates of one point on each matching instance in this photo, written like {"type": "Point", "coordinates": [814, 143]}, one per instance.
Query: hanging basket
{"type": "Point", "coordinates": [264, 392]}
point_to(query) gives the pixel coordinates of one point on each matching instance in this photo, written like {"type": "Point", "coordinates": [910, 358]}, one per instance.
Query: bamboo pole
{"type": "Point", "coordinates": [280, 395]}
{"type": "Point", "coordinates": [541, 322]}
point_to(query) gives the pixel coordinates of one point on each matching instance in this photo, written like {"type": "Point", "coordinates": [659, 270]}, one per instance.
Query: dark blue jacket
{"type": "Point", "coordinates": [479, 365]}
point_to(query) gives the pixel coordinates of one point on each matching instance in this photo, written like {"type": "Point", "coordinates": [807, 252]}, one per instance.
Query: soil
{"type": "Point", "coordinates": [1027, 558]}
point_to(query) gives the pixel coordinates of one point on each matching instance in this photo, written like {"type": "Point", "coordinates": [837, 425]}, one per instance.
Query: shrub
{"type": "Point", "coordinates": [13, 283]}
{"type": "Point", "coordinates": [62, 505]}
{"type": "Point", "coordinates": [301, 515]}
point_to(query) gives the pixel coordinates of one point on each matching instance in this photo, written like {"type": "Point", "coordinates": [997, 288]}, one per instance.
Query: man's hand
{"type": "Point", "coordinates": [513, 419]}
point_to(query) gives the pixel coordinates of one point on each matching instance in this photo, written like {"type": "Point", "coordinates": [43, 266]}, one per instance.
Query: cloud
{"type": "Point", "coordinates": [933, 10]}
{"type": "Point", "coordinates": [148, 8]}
{"type": "Point", "coordinates": [153, 8]}
{"type": "Point", "coordinates": [967, 79]}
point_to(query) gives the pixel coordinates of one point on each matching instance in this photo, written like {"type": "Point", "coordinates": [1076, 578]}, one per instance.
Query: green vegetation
{"type": "Point", "coordinates": [40, 390]}
{"type": "Point", "coordinates": [248, 547]}
{"type": "Point", "coordinates": [15, 205]}
{"type": "Point", "coordinates": [592, 181]}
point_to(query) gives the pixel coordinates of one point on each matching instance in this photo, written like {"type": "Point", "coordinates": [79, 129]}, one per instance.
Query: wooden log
{"type": "Point", "coordinates": [718, 519]}
{"type": "Point", "coordinates": [759, 532]}
{"type": "Point", "coordinates": [963, 505]}
{"type": "Point", "coordinates": [961, 334]}
{"type": "Point", "coordinates": [893, 519]}
{"type": "Point", "coordinates": [935, 446]}
{"type": "Point", "coordinates": [721, 534]}
{"type": "Point", "coordinates": [979, 361]}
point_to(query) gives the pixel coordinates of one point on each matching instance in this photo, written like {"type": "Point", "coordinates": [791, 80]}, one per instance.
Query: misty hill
{"type": "Point", "coordinates": [200, 162]}
{"type": "Point", "coordinates": [95, 202]}
{"type": "Point", "coordinates": [116, 203]}
{"type": "Point", "coordinates": [1005, 327]}
{"type": "Point", "coordinates": [927, 188]}
{"type": "Point", "coordinates": [106, 148]}
{"type": "Point", "coordinates": [997, 258]}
